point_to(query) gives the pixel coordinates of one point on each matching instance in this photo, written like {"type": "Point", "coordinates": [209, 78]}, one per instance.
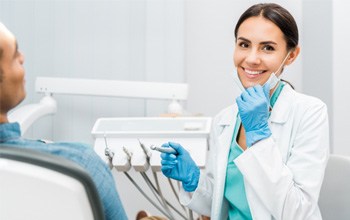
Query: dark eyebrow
{"type": "Point", "coordinates": [244, 39]}
{"type": "Point", "coordinates": [263, 43]}
{"type": "Point", "coordinates": [268, 42]}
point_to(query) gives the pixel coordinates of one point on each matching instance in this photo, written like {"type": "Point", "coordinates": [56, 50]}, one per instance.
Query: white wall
{"type": "Point", "coordinates": [341, 76]}
{"type": "Point", "coordinates": [317, 49]}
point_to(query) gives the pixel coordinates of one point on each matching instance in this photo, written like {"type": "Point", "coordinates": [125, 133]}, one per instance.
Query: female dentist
{"type": "Point", "coordinates": [269, 150]}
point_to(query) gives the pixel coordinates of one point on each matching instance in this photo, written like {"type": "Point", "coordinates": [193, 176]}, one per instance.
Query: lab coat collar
{"type": "Point", "coordinates": [228, 119]}
{"type": "Point", "coordinates": [283, 106]}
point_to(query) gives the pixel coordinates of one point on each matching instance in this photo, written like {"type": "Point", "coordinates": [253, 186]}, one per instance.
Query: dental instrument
{"type": "Point", "coordinates": [157, 191]}
{"type": "Point", "coordinates": [129, 154]}
{"type": "Point", "coordinates": [168, 150]}
{"type": "Point", "coordinates": [121, 162]}
{"type": "Point", "coordinates": [176, 194]}
{"type": "Point", "coordinates": [145, 150]}
{"type": "Point", "coordinates": [108, 153]}
{"type": "Point", "coordinates": [158, 195]}
{"type": "Point", "coordinates": [165, 205]}
{"type": "Point", "coordinates": [144, 194]}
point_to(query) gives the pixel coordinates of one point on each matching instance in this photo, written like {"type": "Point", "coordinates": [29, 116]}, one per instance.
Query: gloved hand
{"type": "Point", "coordinates": [180, 167]}
{"type": "Point", "coordinates": [253, 105]}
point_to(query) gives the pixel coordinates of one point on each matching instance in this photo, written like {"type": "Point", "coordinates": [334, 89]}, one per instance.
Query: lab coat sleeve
{"type": "Point", "coordinates": [200, 200]}
{"type": "Point", "coordinates": [290, 189]}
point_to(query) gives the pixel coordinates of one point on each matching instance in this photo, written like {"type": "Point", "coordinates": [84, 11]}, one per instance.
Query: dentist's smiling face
{"type": "Point", "coordinates": [260, 50]}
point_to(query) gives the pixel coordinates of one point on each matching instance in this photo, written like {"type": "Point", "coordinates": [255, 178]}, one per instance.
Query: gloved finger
{"type": "Point", "coordinates": [255, 91]}
{"type": "Point", "coordinates": [168, 162]}
{"type": "Point", "coordinates": [167, 168]}
{"type": "Point", "coordinates": [258, 90]}
{"type": "Point", "coordinates": [240, 103]}
{"type": "Point", "coordinates": [166, 156]}
{"type": "Point", "coordinates": [165, 144]}
{"type": "Point", "coordinates": [239, 99]}
{"type": "Point", "coordinates": [250, 90]}
{"type": "Point", "coordinates": [179, 149]}
{"type": "Point", "coordinates": [247, 93]}
{"type": "Point", "coordinates": [167, 171]}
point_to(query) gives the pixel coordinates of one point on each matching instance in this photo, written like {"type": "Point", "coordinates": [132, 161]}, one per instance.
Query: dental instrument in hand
{"type": "Point", "coordinates": [168, 150]}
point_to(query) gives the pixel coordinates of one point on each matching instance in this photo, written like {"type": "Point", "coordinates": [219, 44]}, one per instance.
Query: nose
{"type": "Point", "coordinates": [21, 57]}
{"type": "Point", "coordinates": [253, 57]}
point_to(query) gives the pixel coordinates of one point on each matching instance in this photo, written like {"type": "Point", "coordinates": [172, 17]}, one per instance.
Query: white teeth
{"type": "Point", "coordinates": [253, 72]}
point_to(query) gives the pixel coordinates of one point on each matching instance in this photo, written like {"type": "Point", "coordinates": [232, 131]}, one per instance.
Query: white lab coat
{"type": "Point", "coordinates": [282, 174]}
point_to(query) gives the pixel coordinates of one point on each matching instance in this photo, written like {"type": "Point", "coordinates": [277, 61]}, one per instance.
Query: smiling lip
{"type": "Point", "coordinates": [253, 73]}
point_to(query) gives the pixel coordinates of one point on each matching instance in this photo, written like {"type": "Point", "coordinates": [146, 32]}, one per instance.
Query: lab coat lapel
{"type": "Point", "coordinates": [225, 125]}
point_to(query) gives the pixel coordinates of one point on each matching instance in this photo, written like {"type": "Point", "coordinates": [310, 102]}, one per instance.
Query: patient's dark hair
{"type": "Point", "coordinates": [277, 15]}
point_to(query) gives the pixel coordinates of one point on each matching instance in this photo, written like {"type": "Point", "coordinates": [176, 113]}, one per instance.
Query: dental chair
{"type": "Point", "coordinates": [40, 186]}
{"type": "Point", "coordinates": [335, 192]}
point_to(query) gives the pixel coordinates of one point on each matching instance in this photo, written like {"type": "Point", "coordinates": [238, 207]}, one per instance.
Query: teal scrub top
{"type": "Point", "coordinates": [234, 184]}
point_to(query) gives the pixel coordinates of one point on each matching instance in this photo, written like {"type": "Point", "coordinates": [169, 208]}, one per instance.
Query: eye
{"type": "Point", "coordinates": [243, 44]}
{"type": "Point", "coordinates": [268, 48]}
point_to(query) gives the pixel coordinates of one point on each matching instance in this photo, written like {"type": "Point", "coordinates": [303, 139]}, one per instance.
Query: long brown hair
{"type": "Point", "coordinates": [276, 14]}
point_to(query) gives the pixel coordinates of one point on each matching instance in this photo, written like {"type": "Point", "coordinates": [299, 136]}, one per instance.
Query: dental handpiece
{"type": "Point", "coordinates": [168, 150]}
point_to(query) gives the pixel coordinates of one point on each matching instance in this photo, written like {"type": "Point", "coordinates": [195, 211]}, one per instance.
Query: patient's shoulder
{"type": "Point", "coordinates": [73, 150]}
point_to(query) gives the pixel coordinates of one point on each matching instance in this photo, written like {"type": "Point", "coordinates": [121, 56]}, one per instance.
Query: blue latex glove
{"type": "Point", "coordinates": [180, 167]}
{"type": "Point", "coordinates": [253, 105]}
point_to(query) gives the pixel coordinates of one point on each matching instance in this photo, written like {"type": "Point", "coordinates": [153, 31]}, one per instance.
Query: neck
{"type": "Point", "coordinates": [274, 88]}
{"type": "Point", "coordinates": [3, 118]}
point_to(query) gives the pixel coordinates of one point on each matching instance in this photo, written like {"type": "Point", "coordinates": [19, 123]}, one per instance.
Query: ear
{"type": "Point", "coordinates": [293, 55]}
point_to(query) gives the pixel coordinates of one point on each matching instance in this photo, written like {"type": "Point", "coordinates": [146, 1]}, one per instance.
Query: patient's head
{"type": "Point", "coordinates": [12, 90]}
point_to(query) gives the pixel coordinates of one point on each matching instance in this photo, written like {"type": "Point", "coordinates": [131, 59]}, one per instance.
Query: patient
{"type": "Point", "coordinates": [12, 92]}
